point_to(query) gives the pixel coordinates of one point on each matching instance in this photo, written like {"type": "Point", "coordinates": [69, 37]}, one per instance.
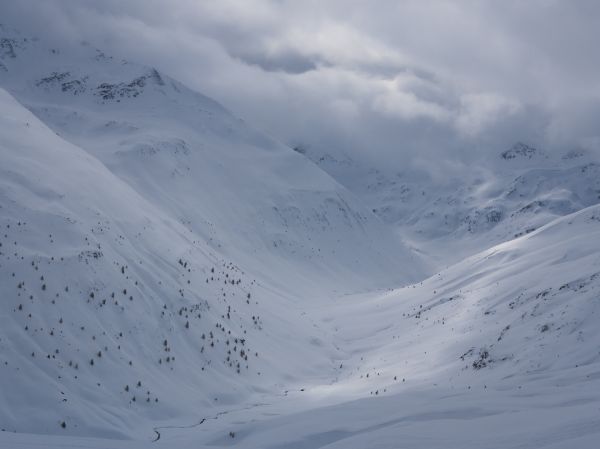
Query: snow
{"type": "Point", "coordinates": [456, 208]}
{"type": "Point", "coordinates": [172, 277]}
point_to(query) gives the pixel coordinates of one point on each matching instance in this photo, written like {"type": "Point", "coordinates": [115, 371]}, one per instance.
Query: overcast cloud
{"type": "Point", "coordinates": [394, 79]}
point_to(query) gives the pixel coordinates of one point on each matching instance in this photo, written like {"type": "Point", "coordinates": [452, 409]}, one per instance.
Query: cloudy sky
{"type": "Point", "coordinates": [372, 78]}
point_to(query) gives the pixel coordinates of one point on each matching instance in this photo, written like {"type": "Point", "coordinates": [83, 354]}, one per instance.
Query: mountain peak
{"type": "Point", "coordinates": [522, 151]}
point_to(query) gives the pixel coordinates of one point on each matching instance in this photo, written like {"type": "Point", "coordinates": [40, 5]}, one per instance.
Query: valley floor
{"type": "Point", "coordinates": [546, 416]}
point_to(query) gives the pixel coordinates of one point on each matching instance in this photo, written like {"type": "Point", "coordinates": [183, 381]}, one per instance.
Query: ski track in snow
{"type": "Point", "coordinates": [203, 420]}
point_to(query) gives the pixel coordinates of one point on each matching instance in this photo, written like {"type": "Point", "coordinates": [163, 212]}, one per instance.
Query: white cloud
{"type": "Point", "coordinates": [479, 111]}
{"type": "Point", "coordinates": [407, 106]}
{"type": "Point", "coordinates": [385, 78]}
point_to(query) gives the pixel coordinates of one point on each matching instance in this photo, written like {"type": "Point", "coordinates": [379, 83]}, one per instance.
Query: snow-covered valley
{"type": "Point", "coordinates": [172, 277]}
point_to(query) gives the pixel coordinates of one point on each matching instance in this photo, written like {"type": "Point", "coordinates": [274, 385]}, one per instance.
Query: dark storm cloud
{"type": "Point", "coordinates": [386, 79]}
{"type": "Point", "coordinates": [286, 61]}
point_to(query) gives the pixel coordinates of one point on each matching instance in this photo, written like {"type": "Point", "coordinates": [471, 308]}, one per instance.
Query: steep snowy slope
{"type": "Point", "coordinates": [246, 194]}
{"type": "Point", "coordinates": [113, 313]}
{"type": "Point", "coordinates": [453, 210]}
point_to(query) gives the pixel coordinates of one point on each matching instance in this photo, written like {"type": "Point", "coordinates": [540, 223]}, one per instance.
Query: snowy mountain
{"type": "Point", "coordinates": [224, 180]}
{"type": "Point", "coordinates": [454, 210]}
{"type": "Point", "coordinates": [153, 245]}
{"type": "Point", "coordinates": [172, 277]}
